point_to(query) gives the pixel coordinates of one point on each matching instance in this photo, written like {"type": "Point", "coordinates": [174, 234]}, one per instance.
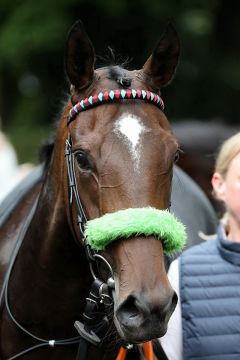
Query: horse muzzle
{"type": "Point", "coordinates": [138, 319]}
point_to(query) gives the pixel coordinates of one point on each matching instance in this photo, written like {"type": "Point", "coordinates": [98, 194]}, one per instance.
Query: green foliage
{"type": "Point", "coordinates": [26, 135]}
{"type": "Point", "coordinates": [29, 29]}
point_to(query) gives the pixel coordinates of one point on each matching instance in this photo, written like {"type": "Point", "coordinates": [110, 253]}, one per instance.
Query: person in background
{"type": "Point", "coordinates": [10, 172]}
{"type": "Point", "coordinates": [206, 322]}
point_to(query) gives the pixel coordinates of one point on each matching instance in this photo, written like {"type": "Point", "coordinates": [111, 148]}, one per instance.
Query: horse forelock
{"type": "Point", "coordinates": [116, 72]}
{"type": "Point", "coordinates": [114, 64]}
{"type": "Point", "coordinates": [112, 59]}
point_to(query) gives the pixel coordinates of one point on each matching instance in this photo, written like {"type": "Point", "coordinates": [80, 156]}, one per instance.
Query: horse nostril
{"type": "Point", "coordinates": [174, 300]}
{"type": "Point", "coordinates": [143, 316]}
{"type": "Point", "coordinates": [170, 307]}
{"type": "Point", "coordinates": [132, 309]}
{"type": "Point", "coordinates": [172, 303]}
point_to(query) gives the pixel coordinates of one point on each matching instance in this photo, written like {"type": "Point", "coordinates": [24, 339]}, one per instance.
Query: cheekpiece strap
{"type": "Point", "coordinates": [113, 95]}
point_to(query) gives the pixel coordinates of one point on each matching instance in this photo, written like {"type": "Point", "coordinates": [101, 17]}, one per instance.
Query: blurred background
{"type": "Point", "coordinates": [202, 103]}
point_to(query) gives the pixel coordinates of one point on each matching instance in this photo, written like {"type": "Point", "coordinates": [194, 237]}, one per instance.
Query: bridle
{"type": "Point", "coordinates": [100, 295]}
{"type": "Point", "coordinates": [83, 105]}
{"type": "Point", "coordinates": [101, 292]}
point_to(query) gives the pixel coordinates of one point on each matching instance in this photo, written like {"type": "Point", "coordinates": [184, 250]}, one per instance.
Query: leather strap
{"type": "Point", "coordinates": [147, 350]}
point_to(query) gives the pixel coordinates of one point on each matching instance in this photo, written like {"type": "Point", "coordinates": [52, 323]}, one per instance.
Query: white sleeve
{"type": "Point", "coordinates": [172, 340]}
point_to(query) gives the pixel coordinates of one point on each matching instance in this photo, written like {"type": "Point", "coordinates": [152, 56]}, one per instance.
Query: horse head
{"type": "Point", "coordinates": [123, 156]}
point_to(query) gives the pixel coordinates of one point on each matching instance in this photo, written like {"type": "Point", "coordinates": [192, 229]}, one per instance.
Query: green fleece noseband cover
{"type": "Point", "coordinates": [136, 222]}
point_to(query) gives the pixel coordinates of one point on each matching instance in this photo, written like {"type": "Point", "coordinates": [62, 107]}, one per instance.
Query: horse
{"type": "Point", "coordinates": [113, 152]}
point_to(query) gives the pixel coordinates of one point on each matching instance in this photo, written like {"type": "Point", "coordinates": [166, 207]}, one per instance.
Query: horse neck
{"type": "Point", "coordinates": [51, 217]}
{"type": "Point", "coordinates": [50, 257]}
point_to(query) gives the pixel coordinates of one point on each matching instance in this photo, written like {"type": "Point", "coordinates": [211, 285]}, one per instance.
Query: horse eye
{"type": "Point", "coordinates": [177, 156]}
{"type": "Point", "coordinates": [82, 160]}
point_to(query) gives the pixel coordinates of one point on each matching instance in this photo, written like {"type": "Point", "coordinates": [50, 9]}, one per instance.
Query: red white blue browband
{"type": "Point", "coordinates": [114, 95]}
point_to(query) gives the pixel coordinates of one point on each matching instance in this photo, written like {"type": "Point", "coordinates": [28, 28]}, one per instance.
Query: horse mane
{"type": "Point", "coordinates": [46, 150]}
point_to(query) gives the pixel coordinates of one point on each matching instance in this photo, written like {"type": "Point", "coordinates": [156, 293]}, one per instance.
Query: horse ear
{"type": "Point", "coordinates": [79, 57]}
{"type": "Point", "coordinates": [161, 65]}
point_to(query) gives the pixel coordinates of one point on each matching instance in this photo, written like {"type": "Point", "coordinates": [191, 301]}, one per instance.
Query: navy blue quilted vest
{"type": "Point", "coordinates": [210, 295]}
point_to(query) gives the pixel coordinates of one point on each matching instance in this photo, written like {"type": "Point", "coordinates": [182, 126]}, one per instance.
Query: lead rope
{"type": "Point", "coordinates": [147, 350]}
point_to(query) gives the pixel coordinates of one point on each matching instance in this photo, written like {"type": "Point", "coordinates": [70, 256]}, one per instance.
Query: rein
{"type": "Point", "coordinates": [4, 296]}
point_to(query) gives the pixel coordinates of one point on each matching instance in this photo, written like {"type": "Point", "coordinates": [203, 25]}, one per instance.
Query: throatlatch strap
{"type": "Point", "coordinates": [147, 350]}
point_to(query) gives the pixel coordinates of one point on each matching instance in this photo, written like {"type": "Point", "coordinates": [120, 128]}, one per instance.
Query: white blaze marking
{"type": "Point", "coordinates": [130, 128]}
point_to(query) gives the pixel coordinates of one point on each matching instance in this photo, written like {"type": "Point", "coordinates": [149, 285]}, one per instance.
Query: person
{"type": "Point", "coordinates": [11, 172]}
{"type": "Point", "coordinates": [206, 322]}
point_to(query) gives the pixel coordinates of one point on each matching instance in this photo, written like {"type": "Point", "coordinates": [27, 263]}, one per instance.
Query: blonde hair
{"type": "Point", "coordinates": [229, 149]}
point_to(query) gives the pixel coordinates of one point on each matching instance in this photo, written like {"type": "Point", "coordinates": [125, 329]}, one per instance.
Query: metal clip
{"type": "Point", "coordinates": [106, 299]}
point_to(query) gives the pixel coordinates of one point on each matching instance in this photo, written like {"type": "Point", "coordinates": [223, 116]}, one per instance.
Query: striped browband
{"type": "Point", "coordinates": [113, 95]}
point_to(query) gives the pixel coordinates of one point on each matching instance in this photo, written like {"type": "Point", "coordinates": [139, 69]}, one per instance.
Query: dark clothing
{"type": "Point", "coordinates": [210, 295]}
